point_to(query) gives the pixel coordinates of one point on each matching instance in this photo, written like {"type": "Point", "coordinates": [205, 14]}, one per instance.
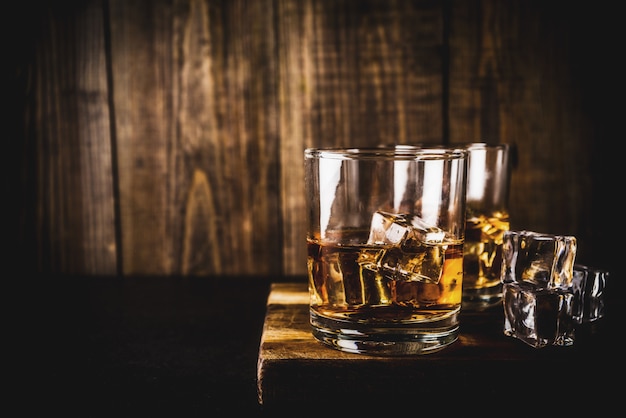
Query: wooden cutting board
{"type": "Point", "coordinates": [294, 368]}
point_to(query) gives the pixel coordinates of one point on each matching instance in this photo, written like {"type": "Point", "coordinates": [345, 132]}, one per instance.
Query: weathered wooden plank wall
{"type": "Point", "coordinates": [166, 137]}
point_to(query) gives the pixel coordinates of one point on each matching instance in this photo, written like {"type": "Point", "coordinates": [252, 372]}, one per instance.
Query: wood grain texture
{"type": "Point", "coordinates": [70, 134]}
{"type": "Point", "coordinates": [195, 106]}
{"type": "Point", "coordinates": [166, 137]}
{"type": "Point", "coordinates": [293, 368]}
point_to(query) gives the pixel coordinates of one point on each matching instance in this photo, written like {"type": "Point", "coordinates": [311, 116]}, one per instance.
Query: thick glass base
{"type": "Point", "coordinates": [393, 339]}
{"type": "Point", "coordinates": [481, 299]}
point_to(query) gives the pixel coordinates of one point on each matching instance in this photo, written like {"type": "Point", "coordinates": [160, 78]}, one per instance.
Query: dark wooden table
{"type": "Point", "coordinates": [168, 346]}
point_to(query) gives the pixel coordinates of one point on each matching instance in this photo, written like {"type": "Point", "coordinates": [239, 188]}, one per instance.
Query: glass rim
{"type": "Point", "coordinates": [484, 145]}
{"type": "Point", "coordinates": [391, 152]}
{"type": "Point", "coordinates": [471, 145]}
{"type": "Point", "coordinates": [464, 145]}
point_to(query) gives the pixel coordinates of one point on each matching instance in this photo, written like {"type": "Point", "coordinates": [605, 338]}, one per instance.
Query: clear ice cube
{"type": "Point", "coordinates": [543, 260]}
{"type": "Point", "coordinates": [406, 248]}
{"type": "Point", "coordinates": [428, 234]}
{"type": "Point", "coordinates": [588, 288]}
{"type": "Point", "coordinates": [388, 228]}
{"type": "Point", "coordinates": [546, 295]}
{"type": "Point", "coordinates": [538, 316]}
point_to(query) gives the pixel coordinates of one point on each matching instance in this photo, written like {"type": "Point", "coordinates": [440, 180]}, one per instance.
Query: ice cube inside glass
{"type": "Point", "coordinates": [412, 250]}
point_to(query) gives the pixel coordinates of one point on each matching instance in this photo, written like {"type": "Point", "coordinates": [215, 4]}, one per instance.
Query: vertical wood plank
{"type": "Point", "coordinates": [75, 213]}
{"type": "Point", "coordinates": [352, 73]}
{"type": "Point", "coordinates": [142, 96]}
{"type": "Point", "coordinates": [295, 74]}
